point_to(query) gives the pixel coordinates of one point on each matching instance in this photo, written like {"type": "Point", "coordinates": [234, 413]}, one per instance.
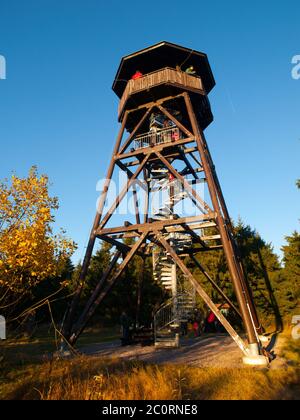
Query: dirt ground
{"type": "Point", "coordinates": [206, 351]}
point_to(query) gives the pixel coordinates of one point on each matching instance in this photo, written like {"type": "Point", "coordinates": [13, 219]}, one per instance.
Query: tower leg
{"type": "Point", "coordinates": [80, 327]}
{"type": "Point", "coordinates": [252, 352]}
{"type": "Point", "coordinates": [254, 358]}
{"type": "Point", "coordinates": [66, 329]}
{"type": "Point", "coordinates": [226, 236]}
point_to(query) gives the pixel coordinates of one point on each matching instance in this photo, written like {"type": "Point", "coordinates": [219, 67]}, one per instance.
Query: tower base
{"type": "Point", "coordinates": [254, 358]}
{"type": "Point", "coordinates": [263, 339]}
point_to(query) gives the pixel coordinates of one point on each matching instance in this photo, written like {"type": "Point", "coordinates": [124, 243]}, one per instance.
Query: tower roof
{"type": "Point", "coordinates": [157, 56]}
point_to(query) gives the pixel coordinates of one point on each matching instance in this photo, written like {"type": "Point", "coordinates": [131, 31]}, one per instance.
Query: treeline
{"type": "Point", "coordinates": [38, 279]}
{"type": "Point", "coordinates": [275, 285]}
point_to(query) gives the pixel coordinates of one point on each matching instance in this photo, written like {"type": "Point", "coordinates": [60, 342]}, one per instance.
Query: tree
{"type": "Point", "coordinates": [288, 288]}
{"type": "Point", "coordinates": [262, 269]}
{"type": "Point", "coordinates": [30, 252]}
{"type": "Point", "coordinates": [99, 263]}
{"type": "Point", "coordinates": [135, 292]}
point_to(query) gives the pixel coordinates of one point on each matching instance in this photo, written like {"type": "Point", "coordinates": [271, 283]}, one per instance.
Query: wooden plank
{"type": "Point", "coordinates": [187, 150]}
{"type": "Point", "coordinates": [155, 225]}
{"type": "Point", "coordinates": [158, 147]}
{"type": "Point", "coordinates": [180, 228]}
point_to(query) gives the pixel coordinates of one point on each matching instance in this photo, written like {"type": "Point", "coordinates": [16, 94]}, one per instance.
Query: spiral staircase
{"type": "Point", "coordinates": [180, 306]}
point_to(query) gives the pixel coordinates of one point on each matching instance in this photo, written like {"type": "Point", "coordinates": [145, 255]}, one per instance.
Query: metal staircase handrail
{"type": "Point", "coordinates": [170, 303]}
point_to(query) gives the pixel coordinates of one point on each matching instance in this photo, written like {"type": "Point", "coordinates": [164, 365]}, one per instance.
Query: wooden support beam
{"type": "Point", "coordinates": [130, 174]}
{"type": "Point", "coordinates": [184, 182]}
{"type": "Point", "coordinates": [158, 147]}
{"type": "Point", "coordinates": [215, 286]}
{"type": "Point", "coordinates": [154, 225]}
{"type": "Point", "coordinates": [135, 130]}
{"type": "Point", "coordinates": [187, 150]}
{"type": "Point", "coordinates": [107, 287]}
{"type": "Point", "coordinates": [184, 228]}
{"type": "Point", "coordinates": [195, 250]}
{"type": "Point", "coordinates": [122, 194]}
{"type": "Point", "coordinates": [244, 299]}
{"type": "Point", "coordinates": [136, 205]}
{"type": "Point", "coordinates": [152, 104]}
{"type": "Point", "coordinates": [97, 289]}
{"type": "Point", "coordinates": [119, 245]}
{"type": "Point", "coordinates": [66, 328]}
{"type": "Point", "coordinates": [175, 121]}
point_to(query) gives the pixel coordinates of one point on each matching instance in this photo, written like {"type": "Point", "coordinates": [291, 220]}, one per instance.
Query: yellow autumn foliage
{"type": "Point", "coordinates": [29, 251]}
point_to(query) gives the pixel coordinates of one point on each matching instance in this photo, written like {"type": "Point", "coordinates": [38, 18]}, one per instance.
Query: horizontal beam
{"type": "Point", "coordinates": [192, 251]}
{"type": "Point", "coordinates": [155, 148]}
{"type": "Point", "coordinates": [152, 104]}
{"type": "Point", "coordinates": [119, 245]}
{"type": "Point", "coordinates": [187, 150]}
{"type": "Point", "coordinates": [155, 225]}
{"type": "Point", "coordinates": [180, 228]}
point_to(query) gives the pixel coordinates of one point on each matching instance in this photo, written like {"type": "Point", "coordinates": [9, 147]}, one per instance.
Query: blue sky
{"type": "Point", "coordinates": [57, 109]}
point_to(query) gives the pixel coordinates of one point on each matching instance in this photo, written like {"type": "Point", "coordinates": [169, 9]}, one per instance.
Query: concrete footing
{"type": "Point", "coordinates": [63, 352]}
{"type": "Point", "coordinates": [263, 339]}
{"type": "Point", "coordinates": [253, 358]}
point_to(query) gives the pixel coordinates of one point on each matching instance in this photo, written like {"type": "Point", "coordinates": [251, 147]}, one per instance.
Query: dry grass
{"type": "Point", "coordinates": [87, 378]}
{"type": "Point", "coordinates": [92, 377]}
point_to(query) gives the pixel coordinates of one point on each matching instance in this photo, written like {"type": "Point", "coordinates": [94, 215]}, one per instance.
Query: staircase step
{"type": "Point", "coordinates": [167, 344]}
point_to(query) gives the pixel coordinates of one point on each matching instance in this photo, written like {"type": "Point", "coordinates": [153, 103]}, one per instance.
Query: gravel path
{"type": "Point", "coordinates": [208, 351]}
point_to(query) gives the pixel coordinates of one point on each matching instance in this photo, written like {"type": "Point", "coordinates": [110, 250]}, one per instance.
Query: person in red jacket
{"type": "Point", "coordinates": [210, 323]}
{"type": "Point", "coordinates": [196, 328]}
{"type": "Point", "coordinates": [137, 75]}
{"type": "Point", "coordinates": [171, 177]}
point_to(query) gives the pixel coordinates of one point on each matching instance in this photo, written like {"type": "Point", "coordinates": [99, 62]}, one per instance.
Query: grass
{"type": "Point", "coordinates": [24, 350]}
{"type": "Point", "coordinates": [91, 377]}
{"type": "Point", "coordinates": [17, 354]}
{"type": "Point", "coordinates": [87, 378]}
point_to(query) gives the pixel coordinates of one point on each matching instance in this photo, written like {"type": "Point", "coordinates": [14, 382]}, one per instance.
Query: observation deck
{"type": "Point", "coordinates": [158, 84]}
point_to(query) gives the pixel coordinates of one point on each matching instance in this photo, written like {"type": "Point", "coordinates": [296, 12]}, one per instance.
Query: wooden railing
{"type": "Point", "coordinates": [165, 75]}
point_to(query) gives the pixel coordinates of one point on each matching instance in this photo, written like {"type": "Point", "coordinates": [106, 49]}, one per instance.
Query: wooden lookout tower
{"type": "Point", "coordinates": [162, 152]}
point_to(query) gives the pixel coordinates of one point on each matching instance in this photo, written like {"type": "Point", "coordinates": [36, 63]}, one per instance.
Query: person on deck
{"type": "Point", "coordinates": [190, 70]}
{"type": "Point", "coordinates": [171, 177]}
{"type": "Point", "coordinates": [137, 75]}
